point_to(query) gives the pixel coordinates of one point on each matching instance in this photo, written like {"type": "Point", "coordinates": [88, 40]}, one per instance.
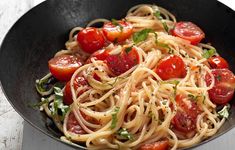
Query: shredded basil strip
{"type": "Point", "coordinates": [125, 134]}
{"type": "Point", "coordinates": [163, 45]}
{"type": "Point", "coordinates": [39, 104]}
{"type": "Point", "coordinates": [114, 117]}
{"type": "Point", "coordinates": [58, 105]}
{"type": "Point", "coordinates": [208, 53]}
{"type": "Point", "coordinates": [158, 15]}
{"type": "Point", "coordinates": [141, 35]}
{"type": "Point", "coordinates": [224, 112]}
{"type": "Point", "coordinates": [165, 26]}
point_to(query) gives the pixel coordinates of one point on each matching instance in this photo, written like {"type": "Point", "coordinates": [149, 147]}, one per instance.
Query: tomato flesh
{"type": "Point", "coordinates": [186, 116]}
{"type": "Point", "coordinates": [188, 31]}
{"type": "Point", "coordinates": [63, 67]}
{"type": "Point", "coordinates": [171, 67]}
{"type": "Point", "coordinates": [122, 62]}
{"type": "Point", "coordinates": [117, 33]}
{"type": "Point", "coordinates": [73, 125]}
{"type": "Point", "coordinates": [98, 55]}
{"type": "Point", "coordinates": [223, 90]}
{"type": "Point", "coordinates": [159, 145]}
{"type": "Point", "coordinates": [90, 39]}
{"type": "Point", "coordinates": [78, 82]}
{"type": "Point", "coordinates": [217, 62]}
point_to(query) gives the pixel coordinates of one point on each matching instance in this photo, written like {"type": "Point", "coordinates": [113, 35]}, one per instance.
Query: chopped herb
{"type": "Point", "coordinates": [204, 98]}
{"type": "Point", "coordinates": [128, 49]}
{"type": "Point", "coordinates": [58, 108]}
{"type": "Point", "coordinates": [152, 116]}
{"type": "Point", "coordinates": [175, 82]}
{"type": "Point", "coordinates": [141, 35]}
{"type": "Point", "coordinates": [115, 22]}
{"type": "Point", "coordinates": [158, 15]}
{"type": "Point", "coordinates": [44, 101]}
{"type": "Point", "coordinates": [193, 97]}
{"type": "Point", "coordinates": [163, 45]}
{"type": "Point", "coordinates": [224, 112]}
{"type": "Point", "coordinates": [218, 77]}
{"type": "Point", "coordinates": [164, 102]}
{"type": "Point", "coordinates": [165, 26]}
{"type": "Point", "coordinates": [208, 53]}
{"type": "Point", "coordinates": [114, 117]}
{"type": "Point", "coordinates": [125, 134]}
{"type": "Point", "coordinates": [175, 87]}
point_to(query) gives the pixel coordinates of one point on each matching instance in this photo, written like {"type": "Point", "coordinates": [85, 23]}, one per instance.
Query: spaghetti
{"type": "Point", "coordinates": [137, 104]}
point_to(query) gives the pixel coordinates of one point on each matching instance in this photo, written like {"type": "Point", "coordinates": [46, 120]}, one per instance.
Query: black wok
{"type": "Point", "coordinates": [36, 37]}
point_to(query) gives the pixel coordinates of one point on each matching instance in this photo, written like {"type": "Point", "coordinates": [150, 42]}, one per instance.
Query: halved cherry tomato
{"type": "Point", "coordinates": [63, 67]}
{"type": "Point", "coordinates": [223, 90]}
{"type": "Point", "coordinates": [217, 62]}
{"type": "Point", "coordinates": [159, 145]}
{"type": "Point", "coordinates": [188, 31]}
{"type": "Point", "coordinates": [90, 39]}
{"type": "Point", "coordinates": [171, 67]}
{"type": "Point", "coordinates": [73, 125]}
{"type": "Point", "coordinates": [122, 62]}
{"type": "Point", "coordinates": [78, 82]}
{"type": "Point", "coordinates": [99, 55]}
{"type": "Point", "coordinates": [117, 32]}
{"type": "Point", "coordinates": [186, 116]}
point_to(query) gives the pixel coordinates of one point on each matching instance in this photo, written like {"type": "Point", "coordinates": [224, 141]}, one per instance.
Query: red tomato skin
{"type": "Point", "coordinates": [171, 67]}
{"type": "Point", "coordinates": [114, 33]}
{"type": "Point", "coordinates": [217, 62]}
{"type": "Point", "coordinates": [223, 90]}
{"type": "Point", "coordinates": [186, 117]}
{"type": "Point", "coordinates": [120, 63]}
{"type": "Point", "coordinates": [90, 39]}
{"type": "Point", "coordinates": [73, 125]}
{"type": "Point", "coordinates": [159, 145]}
{"type": "Point", "coordinates": [99, 55]}
{"type": "Point", "coordinates": [78, 81]}
{"type": "Point", "coordinates": [188, 31]}
{"type": "Point", "coordinates": [63, 67]}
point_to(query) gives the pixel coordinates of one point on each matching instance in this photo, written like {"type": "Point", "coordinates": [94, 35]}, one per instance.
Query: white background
{"type": "Point", "coordinates": [11, 124]}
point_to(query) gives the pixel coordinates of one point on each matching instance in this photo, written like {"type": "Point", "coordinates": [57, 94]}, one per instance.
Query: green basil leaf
{"type": "Point", "coordinates": [224, 112]}
{"type": "Point", "coordinates": [58, 106]}
{"type": "Point", "coordinates": [141, 35]}
{"type": "Point", "coordinates": [208, 53]}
